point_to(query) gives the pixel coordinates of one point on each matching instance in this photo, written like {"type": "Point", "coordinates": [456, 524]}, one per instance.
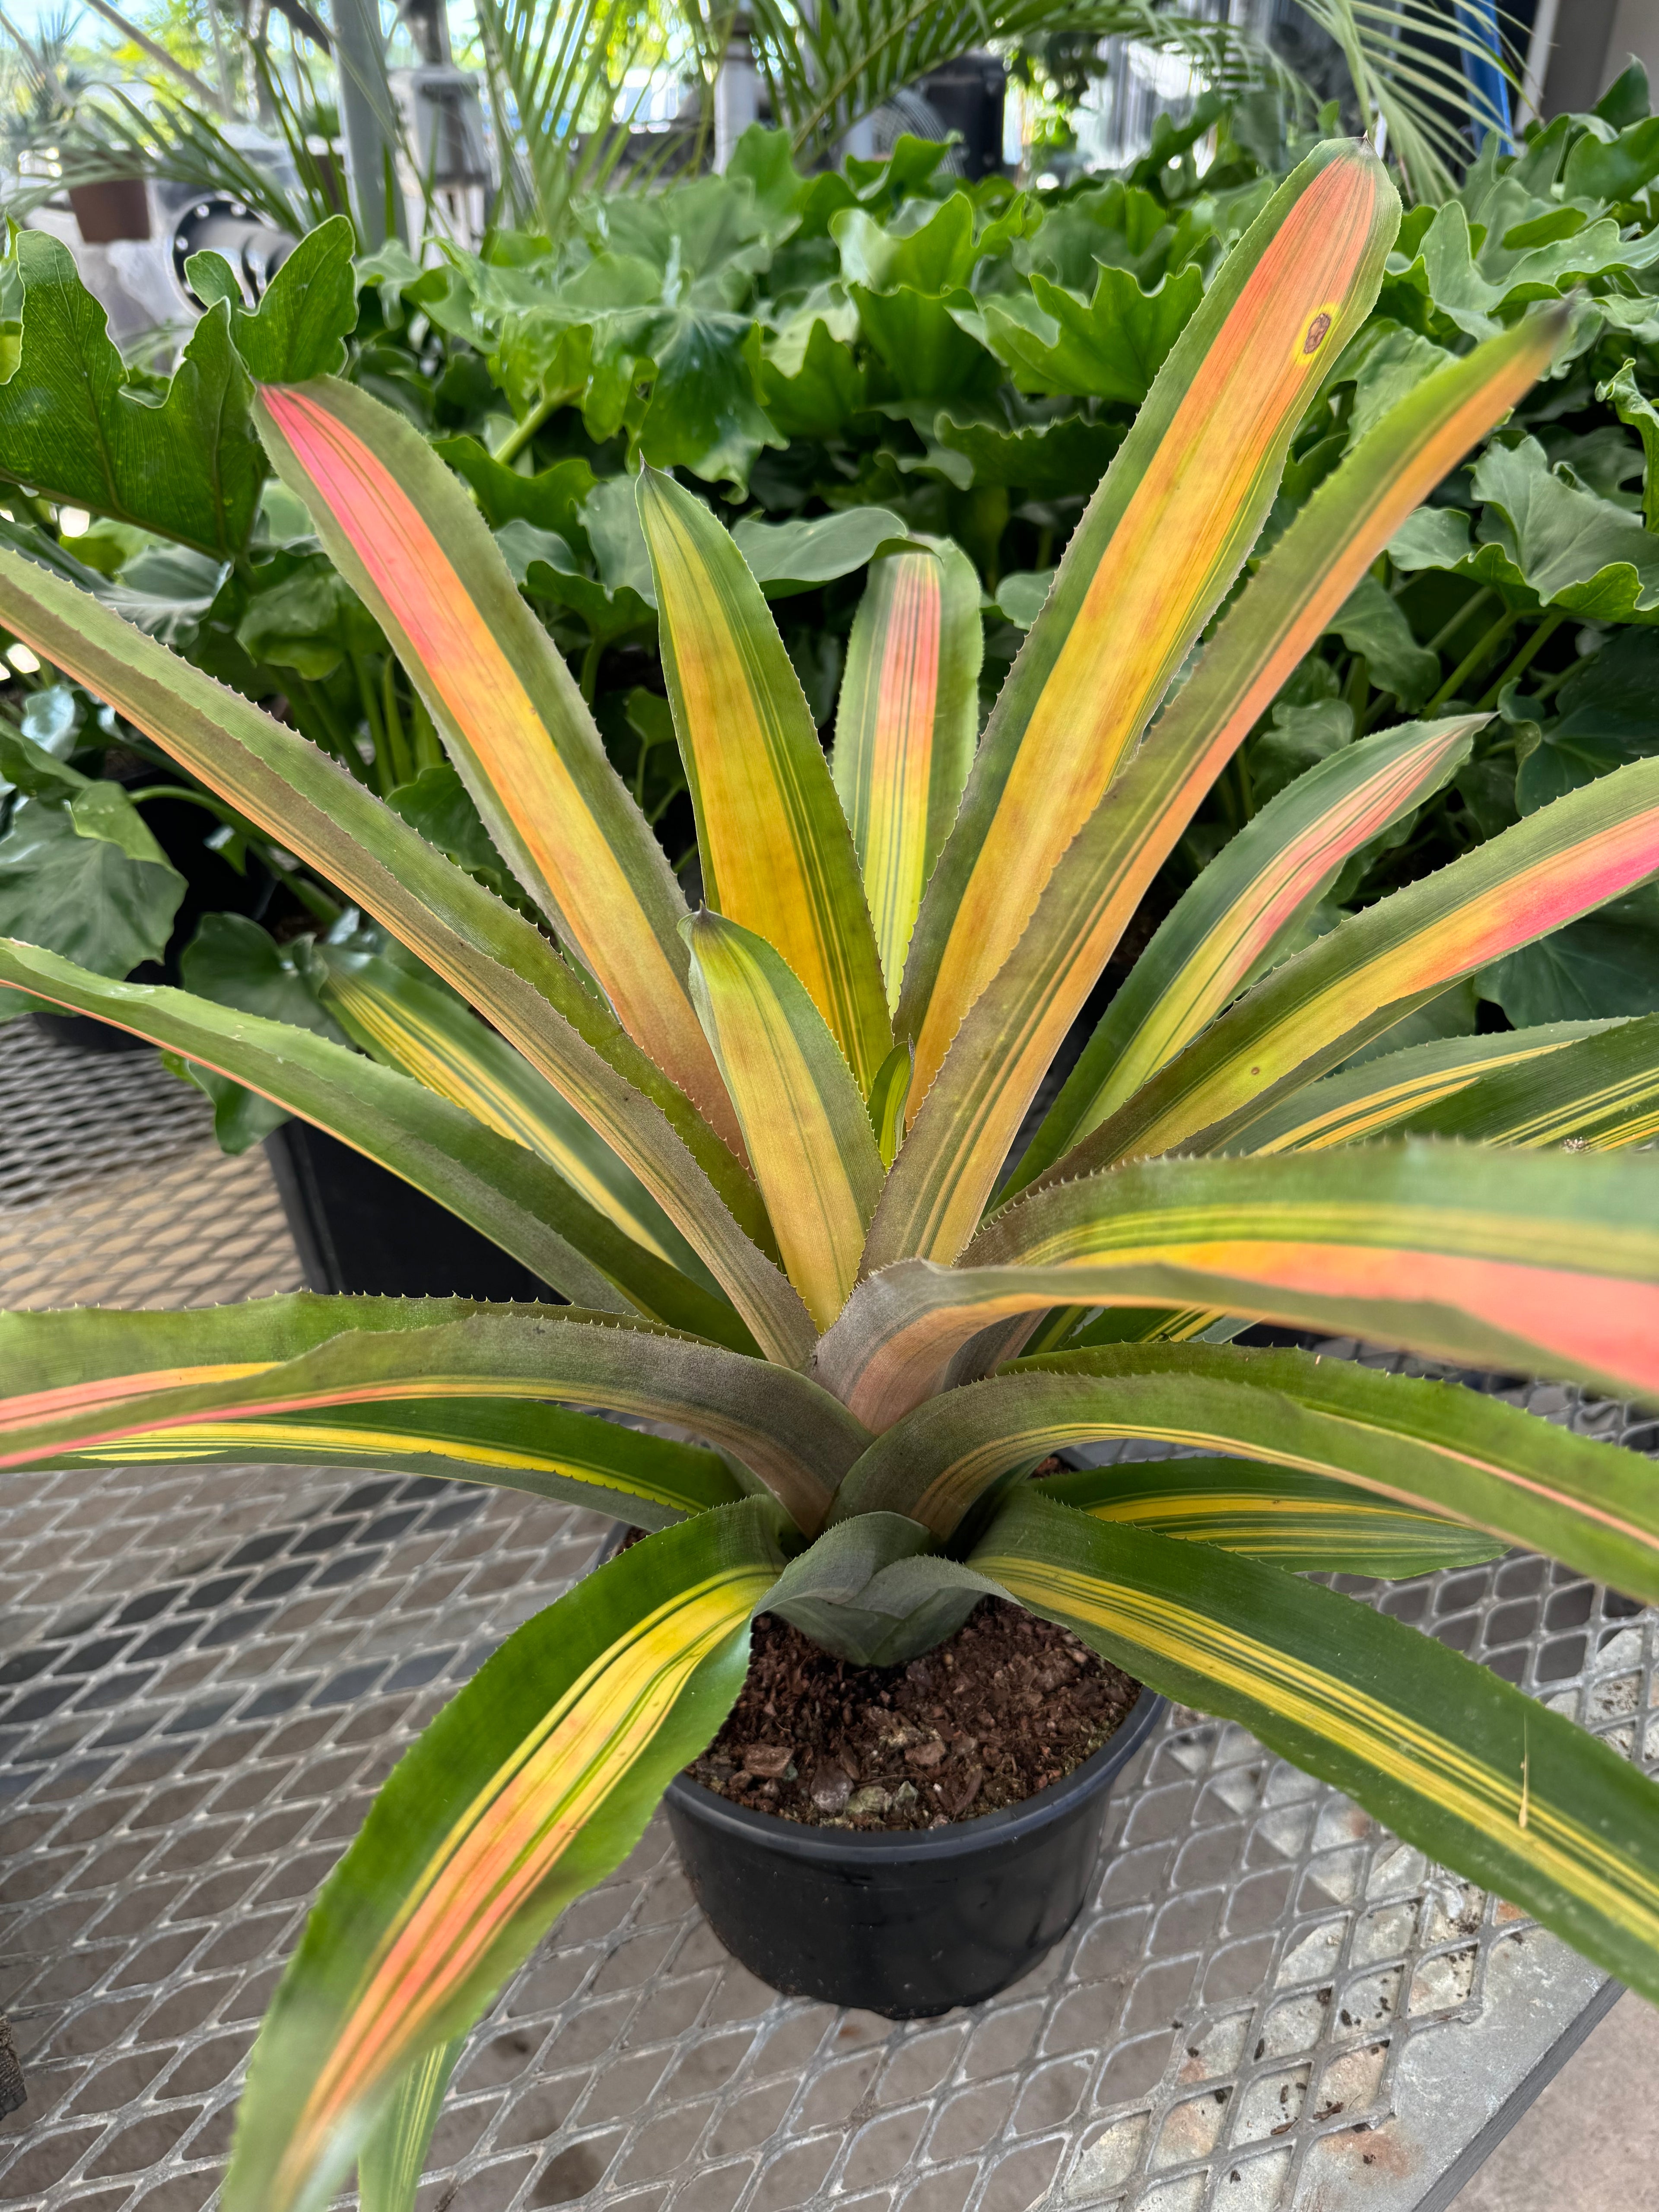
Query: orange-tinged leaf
{"type": "Point", "coordinates": [74, 1362]}
{"type": "Point", "coordinates": [1224, 929]}
{"type": "Point", "coordinates": [1546, 1262]}
{"type": "Point", "coordinates": [1374, 968]}
{"type": "Point", "coordinates": [410, 540]}
{"type": "Point", "coordinates": [453, 1380]}
{"type": "Point", "coordinates": [777, 855]}
{"type": "Point", "coordinates": [497, 959]}
{"type": "Point", "coordinates": [959, 1142]}
{"type": "Point", "coordinates": [905, 730]}
{"type": "Point", "coordinates": [1162, 539]}
{"type": "Point", "coordinates": [532, 1785]}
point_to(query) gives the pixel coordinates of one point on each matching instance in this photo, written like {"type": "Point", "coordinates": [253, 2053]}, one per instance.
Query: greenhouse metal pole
{"type": "Point", "coordinates": [369, 119]}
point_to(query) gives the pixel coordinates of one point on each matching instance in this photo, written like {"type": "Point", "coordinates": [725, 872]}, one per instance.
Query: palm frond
{"type": "Point", "coordinates": [39, 86]}
{"type": "Point", "coordinates": [824, 74]}
{"type": "Point", "coordinates": [1404, 59]}
{"type": "Point", "coordinates": [111, 135]}
{"type": "Point", "coordinates": [555, 76]}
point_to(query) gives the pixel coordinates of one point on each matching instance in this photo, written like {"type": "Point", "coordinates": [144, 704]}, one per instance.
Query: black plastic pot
{"type": "Point", "coordinates": [360, 1228]}
{"type": "Point", "coordinates": [907, 1924]}
{"type": "Point", "coordinates": [211, 886]}
{"type": "Point", "coordinates": [83, 1033]}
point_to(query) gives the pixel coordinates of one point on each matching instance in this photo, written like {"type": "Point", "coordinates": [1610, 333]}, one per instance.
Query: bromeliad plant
{"type": "Point", "coordinates": [764, 1150]}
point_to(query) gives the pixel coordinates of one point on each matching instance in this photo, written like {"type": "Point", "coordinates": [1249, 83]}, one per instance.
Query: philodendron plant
{"type": "Point", "coordinates": [769, 1152]}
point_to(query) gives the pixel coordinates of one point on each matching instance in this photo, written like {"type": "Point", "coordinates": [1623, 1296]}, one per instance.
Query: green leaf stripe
{"type": "Point", "coordinates": [1299, 1523]}
{"type": "Point", "coordinates": [790, 1435]}
{"type": "Point", "coordinates": [1428, 1447]}
{"type": "Point", "coordinates": [1601, 1093]}
{"type": "Point", "coordinates": [389, 2167]}
{"type": "Point", "coordinates": [77, 1359]}
{"type": "Point", "coordinates": [1450, 1756]}
{"type": "Point", "coordinates": [533, 1784]}
{"type": "Point", "coordinates": [1395, 1090]}
{"type": "Point", "coordinates": [906, 724]}
{"type": "Point", "coordinates": [498, 962]}
{"type": "Point", "coordinates": [411, 541]}
{"type": "Point", "coordinates": [79, 1378]}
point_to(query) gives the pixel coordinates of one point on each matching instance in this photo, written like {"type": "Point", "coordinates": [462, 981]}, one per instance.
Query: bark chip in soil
{"type": "Point", "coordinates": [1007, 1705]}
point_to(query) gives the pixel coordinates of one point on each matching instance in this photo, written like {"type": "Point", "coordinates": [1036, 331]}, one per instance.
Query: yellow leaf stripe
{"type": "Point", "coordinates": [1635, 1103]}
{"type": "Point", "coordinates": [507, 1844]}
{"type": "Point", "coordinates": [777, 855]}
{"type": "Point", "coordinates": [1452, 1454]}
{"type": "Point", "coordinates": [443, 1047]}
{"type": "Point", "coordinates": [325, 1441]}
{"type": "Point", "coordinates": [1599, 1094]}
{"type": "Point", "coordinates": [1380, 1094]}
{"type": "Point", "coordinates": [906, 727]}
{"type": "Point", "coordinates": [1293, 1528]}
{"type": "Point", "coordinates": [809, 1139]}
{"type": "Point", "coordinates": [1396, 1741]}
{"type": "Point", "coordinates": [799, 1489]}
{"type": "Point", "coordinates": [1561, 1125]}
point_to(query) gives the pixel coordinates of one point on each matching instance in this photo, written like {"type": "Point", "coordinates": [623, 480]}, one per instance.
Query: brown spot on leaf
{"type": "Point", "coordinates": [1317, 332]}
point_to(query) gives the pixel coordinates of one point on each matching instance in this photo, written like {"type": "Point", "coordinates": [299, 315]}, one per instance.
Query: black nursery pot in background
{"type": "Point", "coordinates": [360, 1228]}
{"type": "Point", "coordinates": [211, 886]}
{"type": "Point", "coordinates": [907, 1924]}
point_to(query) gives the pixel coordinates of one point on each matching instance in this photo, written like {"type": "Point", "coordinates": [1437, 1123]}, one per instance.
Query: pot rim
{"type": "Point", "coordinates": [960, 1839]}
{"type": "Point", "coordinates": [794, 1840]}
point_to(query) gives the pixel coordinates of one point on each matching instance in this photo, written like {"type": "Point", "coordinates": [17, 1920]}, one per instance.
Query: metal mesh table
{"type": "Point", "coordinates": [1268, 2003]}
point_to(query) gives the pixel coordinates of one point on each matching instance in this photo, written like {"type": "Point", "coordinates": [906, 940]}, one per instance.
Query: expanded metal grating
{"type": "Point", "coordinates": [102, 1157]}
{"type": "Point", "coordinates": [204, 1673]}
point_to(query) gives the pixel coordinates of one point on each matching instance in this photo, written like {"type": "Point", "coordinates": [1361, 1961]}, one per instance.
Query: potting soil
{"type": "Point", "coordinates": [1007, 1705]}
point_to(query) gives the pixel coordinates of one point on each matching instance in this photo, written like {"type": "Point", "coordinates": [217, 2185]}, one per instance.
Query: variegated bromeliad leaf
{"type": "Point", "coordinates": [764, 1151]}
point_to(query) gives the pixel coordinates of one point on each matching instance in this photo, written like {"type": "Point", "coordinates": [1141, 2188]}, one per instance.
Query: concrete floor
{"type": "Point", "coordinates": [1592, 2138]}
